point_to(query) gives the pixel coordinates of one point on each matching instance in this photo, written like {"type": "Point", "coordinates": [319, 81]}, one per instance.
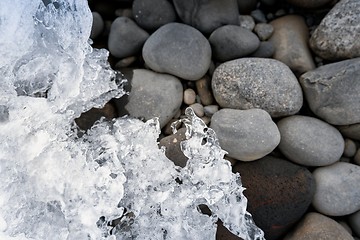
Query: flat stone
{"type": "Point", "coordinates": [206, 16]}
{"type": "Point", "coordinates": [262, 83]}
{"type": "Point", "coordinates": [246, 135]}
{"type": "Point", "coordinates": [151, 95]}
{"type": "Point", "coordinates": [151, 15]}
{"type": "Point", "coordinates": [332, 91]}
{"type": "Point", "coordinates": [167, 50]}
{"type": "Point", "coordinates": [290, 39]}
{"type": "Point", "coordinates": [278, 192]}
{"type": "Point", "coordinates": [230, 42]}
{"type": "Point", "coordinates": [337, 189]}
{"type": "Point", "coordinates": [317, 226]}
{"type": "Point", "coordinates": [126, 38]}
{"type": "Point", "coordinates": [337, 36]}
{"type": "Point", "coordinates": [309, 141]}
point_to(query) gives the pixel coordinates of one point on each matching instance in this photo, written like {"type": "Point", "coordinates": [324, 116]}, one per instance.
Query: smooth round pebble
{"type": "Point", "coordinates": [247, 21]}
{"type": "Point", "coordinates": [168, 50]}
{"type": "Point", "coordinates": [266, 49]}
{"type": "Point", "coordinates": [258, 16]}
{"type": "Point", "coordinates": [257, 83]}
{"type": "Point", "coordinates": [126, 38]}
{"type": "Point", "coordinates": [206, 16]}
{"type": "Point", "coordinates": [354, 221]}
{"type": "Point", "coordinates": [317, 226]}
{"type": "Point", "coordinates": [279, 193]}
{"type": "Point", "coordinates": [350, 148]}
{"type": "Point", "coordinates": [189, 96]}
{"type": "Point", "coordinates": [351, 131]}
{"type": "Point", "coordinates": [246, 135]}
{"type": "Point", "coordinates": [337, 189]}
{"type": "Point", "coordinates": [97, 25]}
{"type": "Point", "coordinates": [231, 42]}
{"type": "Point", "coordinates": [151, 95]}
{"type": "Point", "coordinates": [264, 31]}
{"type": "Point", "coordinates": [153, 14]}
{"type": "Point", "coordinates": [309, 141]}
{"type": "Point", "coordinates": [198, 109]}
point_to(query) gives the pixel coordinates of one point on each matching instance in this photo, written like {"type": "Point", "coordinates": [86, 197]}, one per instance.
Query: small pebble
{"type": "Point", "coordinates": [206, 119]}
{"type": "Point", "coordinates": [97, 26]}
{"type": "Point", "coordinates": [189, 96]}
{"type": "Point", "coordinates": [258, 16]}
{"type": "Point", "coordinates": [264, 31]}
{"type": "Point", "coordinates": [198, 109]}
{"type": "Point", "coordinates": [247, 21]}
{"type": "Point", "coordinates": [203, 88]}
{"type": "Point", "coordinates": [350, 148]}
{"type": "Point", "coordinates": [210, 110]}
{"type": "Point", "coordinates": [125, 62]}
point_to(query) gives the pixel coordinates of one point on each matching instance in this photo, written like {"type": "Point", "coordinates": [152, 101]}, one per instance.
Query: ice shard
{"type": "Point", "coordinates": [113, 181]}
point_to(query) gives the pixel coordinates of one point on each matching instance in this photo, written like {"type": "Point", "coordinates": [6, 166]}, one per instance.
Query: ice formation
{"type": "Point", "coordinates": [113, 182]}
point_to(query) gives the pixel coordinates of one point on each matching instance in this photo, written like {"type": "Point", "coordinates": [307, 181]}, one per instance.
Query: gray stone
{"type": "Point", "coordinates": [173, 149]}
{"type": "Point", "coordinates": [153, 14]}
{"type": "Point", "coordinates": [168, 50]}
{"type": "Point", "coordinates": [247, 21]}
{"type": "Point", "coordinates": [317, 226]}
{"type": "Point", "coordinates": [264, 31]}
{"type": "Point", "coordinates": [290, 39]}
{"type": "Point", "coordinates": [245, 134]}
{"type": "Point", "coordinates": [309, 141]}
{"type": "Point", "coordinates": [126, 38]}
{"type": "Point", "coordinates": [332, 91]}
{"type": "Point", "coordinates": [258, 16]}
{"type": "Point", "coordinates": [198, 109]}
{"type": "Point", "coordinates": [230, 42]}
{"type": "Point", "coordinates": [309, 3]}
{"type": "Point", "coordinates": [265, 50]}
{"type": "Point", "coordinates": [337, 189]}
{"type": "Point", "coordinates": [337, 36]}
{"type": "Point", "coordinates": [189, 96]}
{"type": "Point", "coordinates": [257, 83]}
{"type": "Point", "coordinates": [97, 25]}
{"type": "Point", "coordinates": [207, 15]}
{"type": "Point", "coordinates": [350, 148]}
{"type": "Point", "coordinates": [354, 221]}
{"type": "Point", "coordinates": [151, 95]}
{"type": "Point", "coordinates": [210, 110]}
{"type": "Point", "coordinates": [351, 131]}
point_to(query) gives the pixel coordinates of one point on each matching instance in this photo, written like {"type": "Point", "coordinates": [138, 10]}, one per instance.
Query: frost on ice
{"type": "Point", "coordinates": [113, 182]}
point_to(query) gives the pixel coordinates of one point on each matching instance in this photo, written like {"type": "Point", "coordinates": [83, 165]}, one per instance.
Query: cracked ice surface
{"type": "Point", "coordinates": [112, 182]}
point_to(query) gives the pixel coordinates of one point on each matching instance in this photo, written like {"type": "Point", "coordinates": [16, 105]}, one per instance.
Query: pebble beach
{"type": "Point", "coordinates": [278, 82]}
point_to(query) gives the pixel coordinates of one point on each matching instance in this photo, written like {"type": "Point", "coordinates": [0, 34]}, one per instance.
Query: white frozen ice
{"type": "Point", "coordinates": [113, 182]}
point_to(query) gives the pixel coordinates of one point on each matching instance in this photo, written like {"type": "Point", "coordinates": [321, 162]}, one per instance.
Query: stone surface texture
{"type": "Point", "coordinates": [337, 36]}
{"type": "Point", "coordinates": [262, 83]}
{"type": "Point", "coordinates": [332, 91]}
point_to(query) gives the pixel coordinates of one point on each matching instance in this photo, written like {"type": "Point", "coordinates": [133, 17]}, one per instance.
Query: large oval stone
{"type": "Point", "coordinates": [257, 83]}
{"type": "Point", "coordinates": [310, 141]}
{"type": "Point", "coordinates": [278, 192]}
{"type": "Point", "coordinates": [317, 226]}
{"type": "Point", "coordinates": [168, 50]}
{"type": "Point", "coordinates": [337, 189]}
{"type": "Point", "coordinates": [150, 95]}
{"type": "Point", "coordinates": [245, 134]}
{"type": "Point", "coordinates": [332, 91]}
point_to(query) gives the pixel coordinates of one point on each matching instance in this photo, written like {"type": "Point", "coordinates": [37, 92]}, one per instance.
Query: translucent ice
{"type": "Point", "coordinates": [112, 182]}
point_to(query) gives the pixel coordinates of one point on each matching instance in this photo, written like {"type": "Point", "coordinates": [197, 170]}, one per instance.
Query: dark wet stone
{"type": "Point", "coordinates": [173, 150]}
{"type": "Point", "coordinates": [278, 192]}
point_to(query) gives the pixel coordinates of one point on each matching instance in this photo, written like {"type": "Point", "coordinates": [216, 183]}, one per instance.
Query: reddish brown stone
{"type": "Point", "coordinates": [278, 191]}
